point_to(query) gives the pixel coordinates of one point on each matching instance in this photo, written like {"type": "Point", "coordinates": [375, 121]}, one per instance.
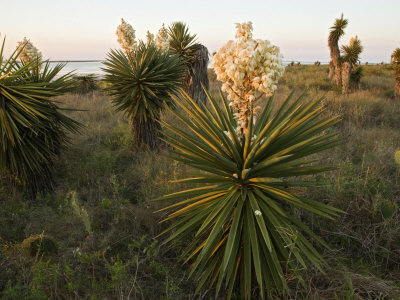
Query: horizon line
{"type": "Point", "coordinates": [284, 61]}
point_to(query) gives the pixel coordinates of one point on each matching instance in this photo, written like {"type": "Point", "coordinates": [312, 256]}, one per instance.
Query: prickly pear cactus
{"type": "Point", "coordinates": [397, 157]}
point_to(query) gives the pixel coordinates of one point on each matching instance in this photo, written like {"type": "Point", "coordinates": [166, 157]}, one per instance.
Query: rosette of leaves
{"type": "Point", "coordinates": [33, 130]}
{"type": "Point", "coordinates": [141, 83]}
{"type": "Point", "coordinates": [195, 57]}
{"type": "Point", "coordinates": [351, 53]}
{"type": "Point", "coordinates": [238, 216]}
{"type": "Point", "coordinates": [182, 42]}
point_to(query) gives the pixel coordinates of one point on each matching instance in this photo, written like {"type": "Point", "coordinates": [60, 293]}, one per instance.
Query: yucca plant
{"type": "Point", "coordinates": [351, 76]}
{"type": "Point", "coordinates": [395, 60]}
{"type": "Point", "coordinates": [142, 82]}
{"type": "Point", "coordinates": [195, 57]}
{"type": "Point", "coordinates": [351, 53]}
{"type": "Point", "coordinates": [182, 42]}
{"type": "Point", "coordinates": [336, 32]}
{"type": "Point", "coordinates": [356, 75]}
{"type": "Point", "coordinates": [84, 84]}
{"type": "Point", "coordinates": [238, 216]}
{"type": "Point", "coordinates": [33, 130]}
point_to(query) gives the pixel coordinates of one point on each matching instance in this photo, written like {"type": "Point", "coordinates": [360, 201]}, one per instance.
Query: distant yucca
{"type": "Point", "coordinates": [395, 60]}
{"type": "Point", "coordinates": [85, 83]}
{"type": "Point", "coordinates": [343, 61]}
{"type": "Point", "coordinates": [351, 74]}
{"type": "Point", "coordinates": [335, 65]}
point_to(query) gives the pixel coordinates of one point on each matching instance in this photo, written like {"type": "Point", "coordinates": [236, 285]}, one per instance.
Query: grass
{"type": "Point", "coordinates": [95, 237]}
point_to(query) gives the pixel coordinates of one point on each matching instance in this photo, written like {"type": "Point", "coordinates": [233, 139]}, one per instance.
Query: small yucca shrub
{"type": "Point", "coordinates": [238, 218]}
{"type": "Point", "coordinates": [84, 84]}
{"type": "Point", "coordinates": [351, 72]}
{"type": "Point", "coordinates": [32, 128]}
{"type": "Point", "coordinates": [141, 82]}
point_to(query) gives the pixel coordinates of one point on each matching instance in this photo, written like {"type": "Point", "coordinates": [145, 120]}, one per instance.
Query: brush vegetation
{"type": "Point", "coordinates": [96, 236]}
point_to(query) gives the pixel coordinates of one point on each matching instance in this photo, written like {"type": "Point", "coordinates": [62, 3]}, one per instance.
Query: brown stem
{"type": "Point", "coordinates": [146, 133]}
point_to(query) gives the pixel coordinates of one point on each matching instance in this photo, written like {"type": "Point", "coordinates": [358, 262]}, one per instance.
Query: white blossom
{"type": "Point", "coordinates": [126, 36]}
{"type": "Point", "coordinates": [247, 67]}
{"type": "Point", "coordinates": [162, 40]}
{"type": "Point", "coordinates": [29, 52]}
{"type": "Point", "coordinates": [258, 213]}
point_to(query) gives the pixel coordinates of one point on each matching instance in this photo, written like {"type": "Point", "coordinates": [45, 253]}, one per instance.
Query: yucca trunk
{"type": "Point", "coordinates": [331, 70]}
{"type": "Point", "coordinates": [397, 84]}
{"type": "Point", "coordinates": [196, 76]}
{"type": "Point", "coordinates": [146, 133]}
{"type": "Point", "coordinates": [346, 74]}
{"type": "Point", "coordinates": [335, 58]}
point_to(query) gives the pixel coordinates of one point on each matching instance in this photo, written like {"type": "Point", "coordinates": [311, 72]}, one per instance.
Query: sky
{"type": "Point", "coordinates": [85, 29]}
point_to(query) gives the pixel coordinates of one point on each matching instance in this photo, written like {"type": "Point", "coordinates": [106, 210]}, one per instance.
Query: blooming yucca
{"type": "Point", "coordinates": [248, 69]}
{"type": "Point", "coordinates": [28, 52]}
{"type": "Point", "coordinates": [126, 36]}
{"type": "Point", "coordinates": [239, 218]}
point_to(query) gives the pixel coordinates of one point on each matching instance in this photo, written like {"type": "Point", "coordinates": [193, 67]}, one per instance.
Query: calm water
{"type": "Point", "coordinates": [82, 68]}
{"type": "Point", "coordinates": [94, 67]}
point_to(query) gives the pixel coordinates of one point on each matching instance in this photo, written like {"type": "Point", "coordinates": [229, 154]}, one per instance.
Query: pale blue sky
{"type": "Point", "coordinates": [85, 29]}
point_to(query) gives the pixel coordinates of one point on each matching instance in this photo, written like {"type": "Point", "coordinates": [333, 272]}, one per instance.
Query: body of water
{"type": "Point", "coordinates": [81, 67]}
{"type": "Point", "coordinates": [94, 67]}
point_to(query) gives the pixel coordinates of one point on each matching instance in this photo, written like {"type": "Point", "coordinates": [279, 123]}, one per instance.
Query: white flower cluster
{"type": "Point", "coordinates": [244, 31]}
{"type": "Point", "coordinates": [247, 66]}
{"type": "Point", "coordinates": [162, 39]}
{"type": "Point", "coordinates": [126, 36]}
{"type": "Point", "coordinates": [29, 52]}
{"type": "Point", "coordinates": [258, 213]}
